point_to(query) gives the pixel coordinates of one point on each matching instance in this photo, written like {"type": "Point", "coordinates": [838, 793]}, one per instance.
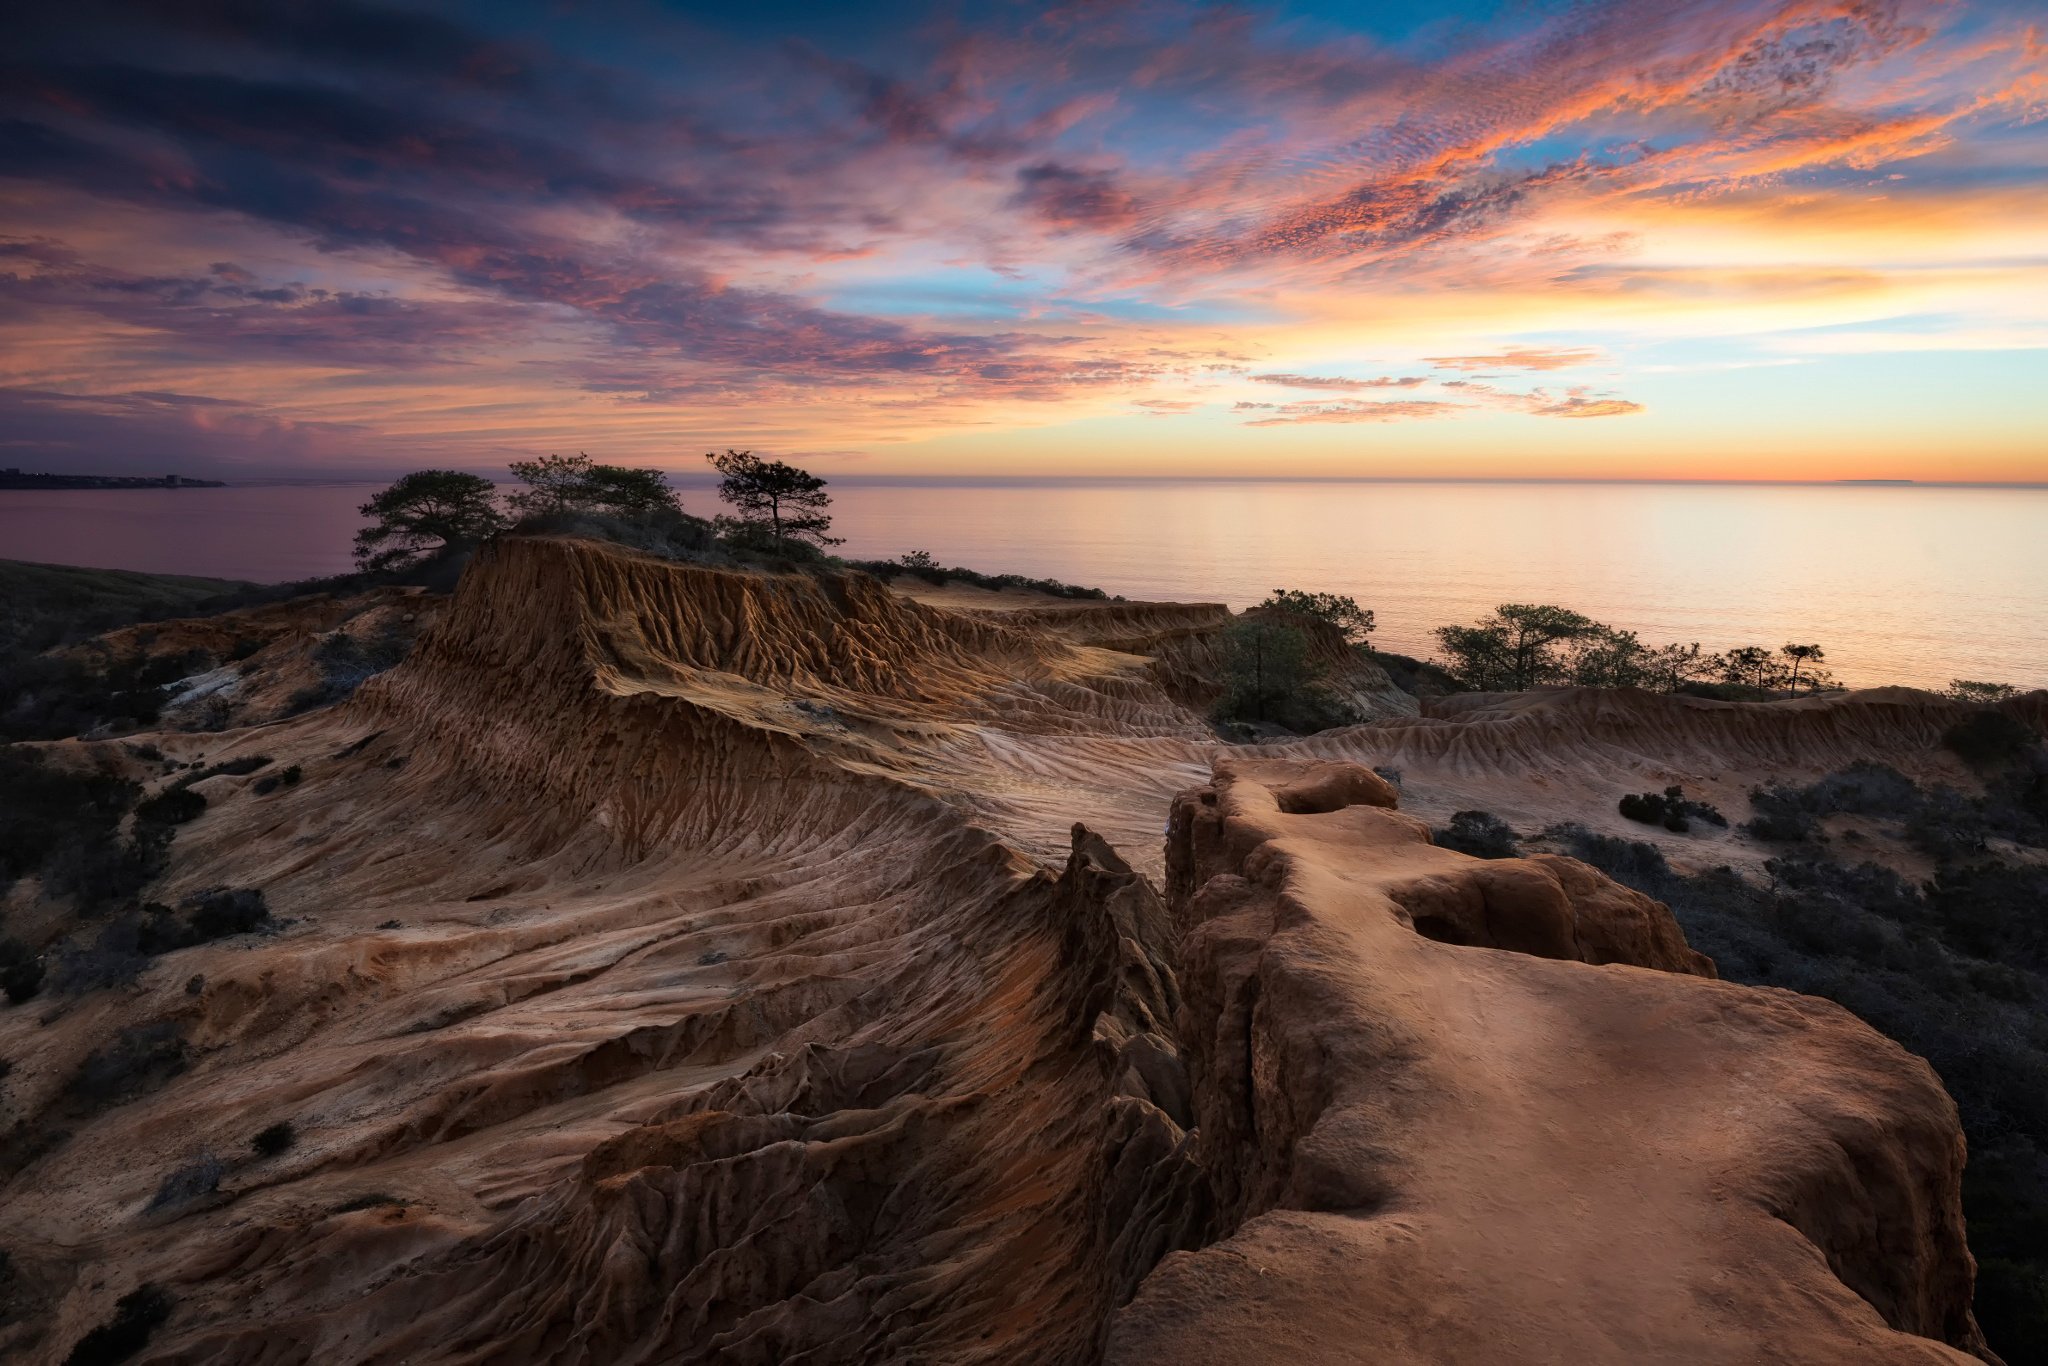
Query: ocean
{"type": "Point", "coordinates": [1910, 584]}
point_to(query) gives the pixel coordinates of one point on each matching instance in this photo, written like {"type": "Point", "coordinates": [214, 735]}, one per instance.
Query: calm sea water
{"type": "Point", "coordinates": [1901, 585]}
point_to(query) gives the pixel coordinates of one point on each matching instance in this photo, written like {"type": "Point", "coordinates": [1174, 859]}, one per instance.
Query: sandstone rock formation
{"type": "Point", "coordinates": [1448, 1115]}
{"type": "Point", "coordinates": [689, 965]}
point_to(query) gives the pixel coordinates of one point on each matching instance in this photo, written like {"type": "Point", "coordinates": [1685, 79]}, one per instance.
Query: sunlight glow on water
{"type": "Point", "coordinates": [1901, 585]}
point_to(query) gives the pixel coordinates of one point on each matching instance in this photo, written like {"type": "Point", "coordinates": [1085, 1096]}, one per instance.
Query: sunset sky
{"type": "Point", "coordinates": [1716, 240]}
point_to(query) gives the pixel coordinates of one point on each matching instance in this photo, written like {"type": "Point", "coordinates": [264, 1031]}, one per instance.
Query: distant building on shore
{"type": "Point", "coordinates": [16, 479]}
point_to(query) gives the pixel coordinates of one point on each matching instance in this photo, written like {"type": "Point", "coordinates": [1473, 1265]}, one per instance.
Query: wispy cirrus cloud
{"type": "Point", "coordinates": [1339, 382]}
{"type": "Point", "coordinates": [1358, 410]}
{"type": "Point", "coordinates": [1520, 358]}
{"type": "Point", "coordinates": [1582, 405]}
{"type": "Point", "coordinates": [1577, 400]}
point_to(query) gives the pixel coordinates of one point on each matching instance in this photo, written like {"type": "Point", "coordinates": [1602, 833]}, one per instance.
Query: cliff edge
{"type": "Point", "coordinates": [1466, 1111]}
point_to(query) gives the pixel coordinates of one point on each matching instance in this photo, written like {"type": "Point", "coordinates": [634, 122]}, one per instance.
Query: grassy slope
{"type": "Point", "coordinates": [46, 603]}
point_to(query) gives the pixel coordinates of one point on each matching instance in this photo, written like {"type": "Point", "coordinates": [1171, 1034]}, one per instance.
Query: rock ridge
{"type": "Point", "coordinates": [1525, 1145]}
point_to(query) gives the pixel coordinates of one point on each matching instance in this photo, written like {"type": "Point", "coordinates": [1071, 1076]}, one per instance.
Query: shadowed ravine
{"type": "Point", "coordinates": [689, 965]}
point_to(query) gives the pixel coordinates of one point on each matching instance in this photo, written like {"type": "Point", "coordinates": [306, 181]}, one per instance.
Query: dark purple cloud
{"type": "Point", "coordinates": [165, 433]}
{"type": "Point", "coordinates": [1074, 197]}
{"type": "Point", "coordinates": [227, 314]}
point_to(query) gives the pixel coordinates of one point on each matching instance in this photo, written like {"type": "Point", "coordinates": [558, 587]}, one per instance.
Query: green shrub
{"type": "Point", "coordinates": [115, 957]}
{"type": "Point", "coordinates": [1271, 677]}
{"type": "Point", "coordinates": [137, 1315]}
{"type": "Point", "coordinates": [212, 914]}
{"type": "Point", "coordinates": [921, 564]}
{"type": "Point", "coordinates": [174, 805]}
{"type": "Point", "coordinates": [1417, 677]}
{"type": "Point", "coordinates": [1784, 815]}
{"type": "Point", "coordinates": [48, 811]}
{"type": "Point", "coordinates": [1480, 834]}
{"type": "Point", "coordinates": [1671, 809]}
{"type": "Point", "coordinates": [220, 911]}
{"type": "Point", "coordinates": [140, 1058]}
{"type": "Point", "coordinates": [21, 971]}
{"type": "Point", "coordinates": [371, 1200]}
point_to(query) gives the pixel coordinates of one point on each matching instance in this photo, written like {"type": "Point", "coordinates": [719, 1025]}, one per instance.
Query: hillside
{"type": "Point", "coordinates": [39, 602]}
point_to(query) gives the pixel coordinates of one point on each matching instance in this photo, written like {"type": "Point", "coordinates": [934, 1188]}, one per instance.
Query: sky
{"type": "Point", "coordinates": [1692, 239]}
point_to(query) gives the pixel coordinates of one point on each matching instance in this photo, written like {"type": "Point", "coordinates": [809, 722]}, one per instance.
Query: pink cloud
{"type": "Point", "coordinates": [1384, 410]}
{"type": "Point", "coordinates": [1335, 382]}
{"type": "Point", "coordinates": [1519, 358]}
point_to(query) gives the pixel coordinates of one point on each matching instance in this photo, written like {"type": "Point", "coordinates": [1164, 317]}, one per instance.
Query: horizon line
{"type": "Point", "coordinates": [709, 480]}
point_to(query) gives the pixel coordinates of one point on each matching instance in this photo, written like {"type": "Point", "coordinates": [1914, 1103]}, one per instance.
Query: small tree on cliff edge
{"type": "Point", "coordinates": [1266, 665]}
{"type": "Point", "coordinates": [424, 514]}
{"type": "Point", "coordinates": [1515, 649]}
{"type": "Point", "coordinates": [576, 483]}
{"type": "Point", "coordinates": [1801, 656]}
{"type": "Point", "coordinates": [773, 500]}
{"type": "Point", "coordinates": [1340, 611]}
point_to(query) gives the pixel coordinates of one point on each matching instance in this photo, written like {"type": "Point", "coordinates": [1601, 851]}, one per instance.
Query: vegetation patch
{"type": "Point", "coordinates": [921, 564]}
{"type": "Point", "coordinates": [174, 805]}
{"type": "Point", "coordinates": [1941, 822]}
{"type": "Point", "coordinates": [137, 1060]}
{"type": "Point", "coordinates": [195, 1180]}
{"type": "Point", "coordinates": [372, 1200]}
{"type": "Point", "coordinates": [137, 1316]}
{"type": "Point", "coordinates": [1418, 677]}
{"type": "Point", "coordinates": [21, 971]}
{"type": "Point", "coordinates": [1671, 809]}
{"type": "Point", "coordinates": [55, 815]}
{"type": "Point", "coordinates": [289, 777]}
{"type": "Point", "coordinates": [1521, 645]}
{"type": "Point", "coordinates": [1480, 834]}
{"type": "Point", "coordinates": [1272, 676]}
{"type": "Point", "coordinates": [1988, 738]}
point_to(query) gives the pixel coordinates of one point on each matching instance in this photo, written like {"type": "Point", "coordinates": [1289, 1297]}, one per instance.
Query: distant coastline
{"type": "Point", "coordinates": [17, 479]}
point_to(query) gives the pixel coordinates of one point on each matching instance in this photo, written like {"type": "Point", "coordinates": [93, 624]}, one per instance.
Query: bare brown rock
{"type": "Point", "coordinates": [1541, 1134]}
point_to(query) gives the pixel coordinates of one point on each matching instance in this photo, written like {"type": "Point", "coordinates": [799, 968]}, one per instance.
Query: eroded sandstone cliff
{"type": "Point", "coordinates": [684, 965]}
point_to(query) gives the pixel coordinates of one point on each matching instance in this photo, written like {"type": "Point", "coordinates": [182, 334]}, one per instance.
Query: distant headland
{"type": "Point", "coordinates": [17, 479]}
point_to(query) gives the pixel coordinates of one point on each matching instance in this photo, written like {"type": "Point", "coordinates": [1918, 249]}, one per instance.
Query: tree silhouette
{"type": "Point", "coordinates": [1974, 690]}
{"type": "Point", "coordinates": [773, 500]}
{"type": "Point", "coordinates": [576, 483]}
{"type": "Point", "coordinates": [1751, 665]}
{"type": "Point", "coordinates": [1266, 664]}
{"type": "Point", "coordinates": [1340, 611]}
{"type": "Point", "coordinates": [1515, 648]}
{"type": "Point", "coordinates": [1801, 655]}
{"type": "Point", "coordinates": [424, 514]}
